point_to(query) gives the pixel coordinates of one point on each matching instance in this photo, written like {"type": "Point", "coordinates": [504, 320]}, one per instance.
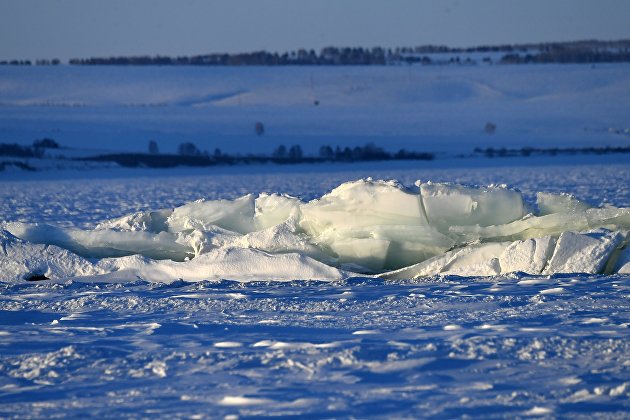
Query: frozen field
{"type": "Point", "coordinates": [508, 345]}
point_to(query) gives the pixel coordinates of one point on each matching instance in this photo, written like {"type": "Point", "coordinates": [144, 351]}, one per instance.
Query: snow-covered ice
{"type": "Point", "coordinates": [462, 343]}
{"type": "Point", "coordinates": [436, 347]}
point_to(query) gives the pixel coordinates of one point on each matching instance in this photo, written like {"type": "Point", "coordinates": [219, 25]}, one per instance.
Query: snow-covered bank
{"type": "Point", "coordinates": [365, 226]}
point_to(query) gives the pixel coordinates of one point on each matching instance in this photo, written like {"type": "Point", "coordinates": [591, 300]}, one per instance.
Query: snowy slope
{"type": "Point", "coordinates": [432, 108]}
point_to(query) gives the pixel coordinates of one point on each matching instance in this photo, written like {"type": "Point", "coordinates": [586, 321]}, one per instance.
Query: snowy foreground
{"type": "Point", "coordinates": [447, 345]}
{"type": "Point", "coordinates": [439, 347]}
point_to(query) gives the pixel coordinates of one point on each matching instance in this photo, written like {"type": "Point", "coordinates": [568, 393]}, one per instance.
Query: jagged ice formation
{"type": "Point", "coordinates": [369, 227]}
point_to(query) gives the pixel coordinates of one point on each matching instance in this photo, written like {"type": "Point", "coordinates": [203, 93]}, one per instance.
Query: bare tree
{"type": "Point", "coordinates": [259, 128]}
{"type": "Point", "coordinates": [153, 148]}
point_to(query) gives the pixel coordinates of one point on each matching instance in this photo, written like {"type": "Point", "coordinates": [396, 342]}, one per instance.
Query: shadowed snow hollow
{"type": "Point", "coordinates": [366, 226]}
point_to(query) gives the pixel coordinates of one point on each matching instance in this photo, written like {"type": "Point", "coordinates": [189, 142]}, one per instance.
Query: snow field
{"type": "Point", "coordinates": [440, 346]}
{"type": "Point", "coordinates": [431, 347]}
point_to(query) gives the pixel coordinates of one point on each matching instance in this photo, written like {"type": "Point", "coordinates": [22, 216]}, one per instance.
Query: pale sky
{"type": "Point", "coordinates": [31, 29]}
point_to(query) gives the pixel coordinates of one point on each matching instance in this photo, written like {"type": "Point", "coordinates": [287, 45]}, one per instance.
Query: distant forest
{"type": "Point", "coordinates": [590, 51]}
{"type": "Point", "coordinates": [189, 155]}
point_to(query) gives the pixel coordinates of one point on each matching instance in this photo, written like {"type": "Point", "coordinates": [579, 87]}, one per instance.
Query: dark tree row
{"type": "Point", "coordinates": [553, 151]}
{"type": "Point", "coordinates": [589, 51]}
{"type": "Point", "coordinates": [565, 57]}
{"type": "Point", "coordinates": [53, 62]}
{"type": "Point", "coordinates": [575, 52]}
{"type": "Point", "coordinates": [327, 56]}
{"type": "Point", "coordinates": [369, 152]}
{"type": "Point", "coordinates": [190, 155]}
{"type": "Point", "coordinates": [36, 150]}
{"type": "Point", "coordinates": [16, 63]}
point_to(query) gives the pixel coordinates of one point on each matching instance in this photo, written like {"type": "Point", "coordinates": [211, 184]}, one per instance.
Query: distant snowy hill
{"type": "Point", "coordinates": [424, 108]}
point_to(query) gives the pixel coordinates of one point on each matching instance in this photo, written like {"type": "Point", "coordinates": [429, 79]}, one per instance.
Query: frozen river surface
{"type": "Point", "coordinates": [440, 347]}
{"type": "Point", "coordinates": [513, 345]}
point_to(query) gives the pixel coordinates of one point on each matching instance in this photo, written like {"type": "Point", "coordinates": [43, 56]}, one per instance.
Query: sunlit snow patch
{"type": "Point", "coordinates": [366, 226]}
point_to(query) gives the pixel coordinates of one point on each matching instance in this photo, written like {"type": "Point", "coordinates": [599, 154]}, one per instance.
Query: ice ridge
{"type": "Point", "coordinates": [370, 227]}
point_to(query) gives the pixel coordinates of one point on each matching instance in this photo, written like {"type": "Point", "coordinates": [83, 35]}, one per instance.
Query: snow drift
{"type": "Point", "coordinates": [369, 227]}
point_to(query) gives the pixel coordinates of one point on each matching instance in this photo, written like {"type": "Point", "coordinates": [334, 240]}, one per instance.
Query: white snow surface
{"type": "Point", "coordinates": [461, 344]}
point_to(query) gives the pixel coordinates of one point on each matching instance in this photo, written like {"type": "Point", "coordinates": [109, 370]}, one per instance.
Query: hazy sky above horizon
{"type": "Point", "coordinates": [64, 29]}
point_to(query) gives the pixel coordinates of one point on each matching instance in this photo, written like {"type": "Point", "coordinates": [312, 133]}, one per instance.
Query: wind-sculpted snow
{"type": "Point", "coordinates": [506, 346]}
{"type": "Point", "coordinates": [369, 227]}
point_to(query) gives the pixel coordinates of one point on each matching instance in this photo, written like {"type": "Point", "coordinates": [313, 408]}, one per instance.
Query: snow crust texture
{"type": "Point", "coordinates": [454, 347]}
{"type": "Point", "coordinates": [370, 227]}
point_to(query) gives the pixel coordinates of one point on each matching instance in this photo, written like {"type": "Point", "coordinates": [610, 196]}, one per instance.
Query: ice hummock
{"type": "Point", "coordinates": [370, 227]}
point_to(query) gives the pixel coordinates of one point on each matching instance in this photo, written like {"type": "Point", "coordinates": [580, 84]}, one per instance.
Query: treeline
{"type": "Point", "coordinates": [584, 45]}
{"type": "Point", "coordinates": [327, 56]}
{"type": "Point", "coordinates": [573, 52]}
{"type": "Point", "coordinates": [557, 52]}
{"type": "Point", "coordinates": [35, 151]}
{"type": "Point", "coordinates": [553, 151]}
{"type": "Point", "coordinates": [53, 62]}
{"type": "Point", "coordinates": [567, 57]}
{"type": "Point", "coordinates": [190, 155]}
{"type": "Point", "coordinates": [369, 152]}
{"type": "Point", "coordinates": [589, 51]}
